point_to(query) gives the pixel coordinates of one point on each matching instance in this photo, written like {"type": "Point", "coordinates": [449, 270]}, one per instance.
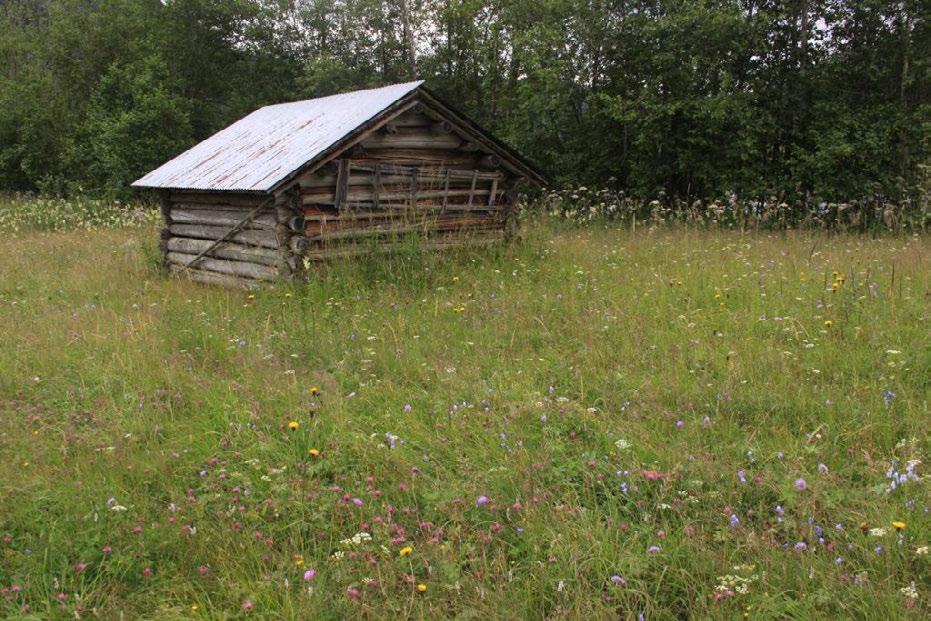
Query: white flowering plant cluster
{"type": "Point", "coordinates": [22, 214]}
{"type": "Point", "coordinates": [583, 204]}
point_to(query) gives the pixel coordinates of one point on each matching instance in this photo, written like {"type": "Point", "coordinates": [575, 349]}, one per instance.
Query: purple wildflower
{"type": "Point", "coordinates": [481, 501]}
{"type": "Point", "coordinates": [735, 521]}
{"type": "Point", "coordinates": [800, 484]}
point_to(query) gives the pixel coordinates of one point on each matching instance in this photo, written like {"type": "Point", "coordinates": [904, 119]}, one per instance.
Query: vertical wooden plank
{"type": "Point", "coordinates": [413, 196]}
{"type": "Point", "coordinates": [342, 182]}
{"type": "Point", "coordinates": [377, 181]}
{"type": "Point", "coordinates": [445, 190]}
{"type": "Point", "coordinates": [165, 206]}
{"type": "Point", "coordinates": [472, 189]}
{"type": "Point", "coordinates": [493, 193]}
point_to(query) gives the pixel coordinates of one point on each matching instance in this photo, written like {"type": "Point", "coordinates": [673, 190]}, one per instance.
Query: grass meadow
{"type": "Point", "coordinates": [589, 424]}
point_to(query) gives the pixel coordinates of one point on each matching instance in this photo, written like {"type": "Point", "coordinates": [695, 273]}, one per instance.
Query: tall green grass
{"type": "Point", "coordinates": [605, 392]}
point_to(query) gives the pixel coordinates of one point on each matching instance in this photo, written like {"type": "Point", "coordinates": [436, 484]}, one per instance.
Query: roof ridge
{"type": "Point", "coordinates": [355, 92]}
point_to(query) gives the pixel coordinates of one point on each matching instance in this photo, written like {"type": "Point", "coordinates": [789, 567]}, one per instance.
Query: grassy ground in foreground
{"type": "Point", "coordinates": [587, 425]}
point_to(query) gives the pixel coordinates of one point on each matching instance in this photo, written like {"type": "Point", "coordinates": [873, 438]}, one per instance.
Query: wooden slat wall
{"type": "Point", "coordinates": [415, 175]}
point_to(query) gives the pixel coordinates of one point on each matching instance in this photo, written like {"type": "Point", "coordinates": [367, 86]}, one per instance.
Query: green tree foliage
{"type": "Point", "coordinates": [695, 98]}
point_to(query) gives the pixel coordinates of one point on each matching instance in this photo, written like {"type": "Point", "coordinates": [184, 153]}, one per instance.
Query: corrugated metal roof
{"type": "Point", "coordinates": [260, 150]}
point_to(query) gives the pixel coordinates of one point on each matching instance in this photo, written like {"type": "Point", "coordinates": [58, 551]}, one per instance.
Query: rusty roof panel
{"type": "Point", "coordinates": [257, 152]}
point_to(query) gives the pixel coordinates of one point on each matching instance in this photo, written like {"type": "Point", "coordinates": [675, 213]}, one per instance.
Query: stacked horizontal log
{"type": "Point", "coordinates": [382, 202]}
{"type": "Point", "coordinates": [195, 224]}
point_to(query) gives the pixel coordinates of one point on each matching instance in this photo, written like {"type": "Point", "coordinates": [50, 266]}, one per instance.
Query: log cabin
{"type": "Point", "coordinates": [295, 183]}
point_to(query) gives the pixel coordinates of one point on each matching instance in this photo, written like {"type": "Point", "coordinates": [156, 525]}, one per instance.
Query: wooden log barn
{"type": "Point", "coordinates": [337, 176]}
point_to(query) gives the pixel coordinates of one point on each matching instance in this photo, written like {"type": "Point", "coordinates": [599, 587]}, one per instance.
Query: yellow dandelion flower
{"type": "Point", "coordinates": [293, 425]}
{"type": "Point", "coordinates": [194, 607]}
{"type": "Point", "coordinates": [299, 560]}
{"type": "Point", "coordinates": [405, 551]}
{"type": "Point", "coordinates": [828, 323]}
{"type": "Point", "coordinates": [421, 587]}
{"type": "Point", "coordinates": [251, 296]}
{"type": "Point", "coordinates": [314, 452]}
{"type": "Point", "coordinates": [314, 391]}
{"type": "Point", "coordinates": [898, 525]}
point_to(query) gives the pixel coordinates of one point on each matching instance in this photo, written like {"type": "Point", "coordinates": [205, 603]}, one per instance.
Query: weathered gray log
{"type": "Point", "coordinates": [255, 237]}
{"type": "Point", "coordinates": [393, 228]}
{"type": "Point", "coordinates": [389, 128]}
{"type": "Point", "coordinates": [223, 266]}
{"type": "Point", "coordinates": [488, 238]}
{"type": "Point", "coordinates": [394, 175]}
{"type": "Point", "coordinates": [401, 210]}
{"type": "Point", "coordinates": [224, 199]}
{"type": "Point", "coordinates": [225, 250]}
{"type": "Point", "coordinates": [218, 217]}
{"type": "Point", "coordinates": [413, 140]}
{"type": "Point", "coordinates": [327, 197]}
{"type": "Point", "coordinates": [214, 278]}
{"type": "Point", "coordinates": [396, 209]}
{"type": "Point", "coordinates": [413, 119]}
{"type": "Point", "coordinates": [297, 224]}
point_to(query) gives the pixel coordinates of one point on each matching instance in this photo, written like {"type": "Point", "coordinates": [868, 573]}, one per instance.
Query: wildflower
{"type": "Point", "coordinates": [314, 452]}
{"type": "Point", "coordinates": [618, 580]}
{"type": "Point", "coordinates": [742, 476]}
{"type": "Point", "coordinates": [314, 391]}
{"type": "Point", "coordinates": [823, 469]}
{"type": "Point", "coordinates": [878, 532]}
{"type": "Point", "coordinates": [147, 572]}
{"type": "Point", "coordinates": [80, 567]}
{"type": "Point", "coordinates": [421, 587]}
{"type": "Point", "coordinates": [800, 484]}
{"type": "Point", "coordinates": [203, 570]}
{"type": "Point", "coordinates": [407, 408]}
{"type": "Point", "coordinates": [352, 593]}
{"type": "Point", "coordinates": [888, 397]}
{"type": "Point", "coordinates": [293, 425]}
{"type": "Point", "coordinates": [898, 525]}
{"type": "Point", "coordinates": [405, 551]}
{"type": "Point", "coordinates": [878, 549]}
{"type": "Point", "coordinates": [735, 521]}
{"type": "Point", "coordinates": [654, 550]}
{"type": "Point", "coordinates": [310, 574]}
{"type": "Point", "coordinates": [801, 545]}
{"type": "Point", "coordinates": [828, 323]}
{"type": "Point", "coordinates": [922, 551]}
{"type": "Point", "coordinates": [680, 424]}
{"type": "Point", "coordinates": [247, 605]}
{"type": "Point", "coordinates": [481, 501]}
{"type": "Point", "coordinates": [357, 502]}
